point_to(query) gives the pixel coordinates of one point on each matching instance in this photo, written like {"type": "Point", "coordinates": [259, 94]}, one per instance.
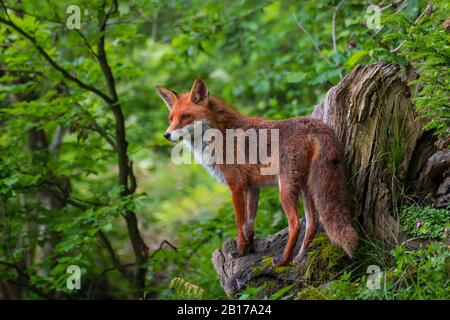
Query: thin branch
{"type": "Point", "coordinates": [161, 245]}
{"type": "Point", "coordinates": [101, 275]}
{"type": "Point", "coordinates": [333, 25]}
{"type": "Point", "coordinates": [22, 13]}
{"type": "Point", "coordinates": [95, 126]}
{"type": "Point", "coordinates": [310, 38]}
{"type": "Point", "coordinates": [125, 168]}
{"type": "Point", "coordinates": [54, 64]}
{"type": "Point", "coordinates": [5, 9]}
{"type": "Point", "coordinates": [26, 277]}
{"type": "Point", "coordinates": [114, 259]}
{"type": "Point", "coordinates": [154, 24]}
{"type": "Point", "coordinates": [133, 184]}
{"type": "Point", "coordinates": [122, 144]}
{"type": "Point", "coordinates": [140, 249]}
{"type": "Point", "coordinates": [86, 42]}
{"type": "Point", "coordinates": [402, 6]}
{"type": "Point", "coordinates": [424, 12]}
{"type": "Point", "coordinates": [21, 71]}
{"type": "Point", "coordinates": [24, 72]}
{"type": "Point", "coordinates": [57, 139]}
{"type": "Point", "coordinates": [62, 195]}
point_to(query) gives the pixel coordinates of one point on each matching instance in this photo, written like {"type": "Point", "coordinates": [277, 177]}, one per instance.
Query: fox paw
{"type": "Point", "coordinates": [250, 248]}
{"type": "Point", "coordinates": [299, 260]}
{"type": "Point", "coordinates": [234, 254]}
{"type": "Point", "coordinates": [243, 253]}
{"type": "Point", "coordinates": [245, 248]}
{"type": "Point", "coordinates": [278, 261]}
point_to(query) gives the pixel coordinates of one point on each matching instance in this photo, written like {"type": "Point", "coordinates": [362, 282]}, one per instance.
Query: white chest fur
{"type": "Point", "coordinates": [206, 160]}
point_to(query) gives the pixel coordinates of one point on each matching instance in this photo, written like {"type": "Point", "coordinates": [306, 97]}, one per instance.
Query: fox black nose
{"type": "Point", "coordinates": [167, 135]}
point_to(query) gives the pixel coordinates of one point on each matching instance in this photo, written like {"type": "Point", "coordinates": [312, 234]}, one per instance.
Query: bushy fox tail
{"type": "Point", "coordinates": [327, 183]}
{"type": "Point", "coordinates": [340, 230]}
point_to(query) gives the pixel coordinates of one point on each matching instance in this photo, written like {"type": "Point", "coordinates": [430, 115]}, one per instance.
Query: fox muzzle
{"type": "Point", "coordinates": [167, 136]}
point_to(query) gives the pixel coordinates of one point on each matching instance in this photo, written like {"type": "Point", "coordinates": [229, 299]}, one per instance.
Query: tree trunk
{"type": "Point", "coordinates": [388, 157]}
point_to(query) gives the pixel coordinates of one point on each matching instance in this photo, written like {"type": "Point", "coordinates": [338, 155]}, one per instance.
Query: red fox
{"type": "Point", "coordinates": [310, 164]}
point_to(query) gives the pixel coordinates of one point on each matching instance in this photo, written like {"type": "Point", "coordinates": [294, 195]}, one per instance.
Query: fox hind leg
{"type": "Point", "coordinates": [289, 198]}
{"type": "Point", "coordinates": [310, 231]}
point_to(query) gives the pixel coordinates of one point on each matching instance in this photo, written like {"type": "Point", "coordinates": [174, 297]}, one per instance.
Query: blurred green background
{"type": "Point", "coordinates": [265, 58]}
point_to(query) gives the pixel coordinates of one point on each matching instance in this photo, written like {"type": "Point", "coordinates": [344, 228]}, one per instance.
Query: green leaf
{"type": "Point", "coordinates": [355, 58]}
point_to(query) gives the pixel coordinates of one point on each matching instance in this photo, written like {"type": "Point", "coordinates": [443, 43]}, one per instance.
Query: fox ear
{"type": "Point", "coordinates": [199, 91]}
{"type": "Point", "coordinates": [168, 96]}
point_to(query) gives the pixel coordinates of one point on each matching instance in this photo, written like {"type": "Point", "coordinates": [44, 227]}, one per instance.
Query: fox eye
{"type": "Point", "coordinates": [185, 117]}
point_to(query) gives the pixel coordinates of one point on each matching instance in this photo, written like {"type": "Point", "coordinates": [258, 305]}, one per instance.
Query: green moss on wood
{"type": "Point", "coordinates": [324, 262]}
{"type": "Point", "coordinates": [311, 293]}
{"type": "Point", "coordinates": [266, 265]}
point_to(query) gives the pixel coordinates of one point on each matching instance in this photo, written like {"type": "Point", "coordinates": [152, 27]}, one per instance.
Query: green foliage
{"type": "Point", "coordinates": [265, 58]}
{"type": "Point", "coordinates": [424, 42]}
{"type": "Point", "coordinates": [266, 292]}
{"type": "Point", "coordinates": [405, 274]}
{"type": "Point", "coordinates": [251, 292]}
{"type": "Point", "coordinates": [425, 221]}
{"type": "Point", "coordinates": [186, 290]}
{"type": "Point", "coordinates": [311, 293]}
{"type": "Point", "coordinates": [200, 236]}
{"type": "Point", "coordinates": [419, 274]}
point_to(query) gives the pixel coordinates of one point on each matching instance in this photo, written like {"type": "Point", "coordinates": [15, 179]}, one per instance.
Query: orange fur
{"type": "Point", "coordinates": [310, 163]}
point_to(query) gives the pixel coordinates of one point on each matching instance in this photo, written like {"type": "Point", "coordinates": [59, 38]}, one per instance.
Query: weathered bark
{"type": "Point", "coordinates": [388, 156]}
{"type": "Point", "coordinates": [434, 179]}
{"type": "Point", "coordinates": [234, 272]}
{"type": "Point", "coordinates": [387, 153]}
{"type": "Point", "coordinates": [372, 114]}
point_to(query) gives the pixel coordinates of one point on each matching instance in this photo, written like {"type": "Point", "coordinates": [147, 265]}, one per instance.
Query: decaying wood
{"type": "Point", "coordinates": [388, 157]}
{"type": "Point", "coordinates": [236, 272]}
{"type": "Point", "coordinates": [387, 153]}
{"type": "Point", "coordinates": [372, 114]}
{"type": "Point", "coordinates": [434, 178]}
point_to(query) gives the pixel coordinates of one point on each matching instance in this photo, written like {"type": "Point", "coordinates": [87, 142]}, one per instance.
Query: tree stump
{"type": "Point", "coordinates": [387, 155]}
{"type": "Point", "coordinates": [235, 273]}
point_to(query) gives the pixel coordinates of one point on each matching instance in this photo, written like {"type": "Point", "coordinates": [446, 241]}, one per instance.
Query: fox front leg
{"type": "Point", "coordinates": [239, 204]}
{"type": "Point", "coordinates": [252, 197]}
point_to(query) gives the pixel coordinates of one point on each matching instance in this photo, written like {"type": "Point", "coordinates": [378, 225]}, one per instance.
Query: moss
{"type": "Point", "coordinates": [325, 262]}
{"type": "Point", "coordinates": [268, 287]}
{"type": "Point", "coordinates": [266, 262]}
{"type": "Point", "coordinates": [266, 265]}
{"type": "Point", "coordinates": [311, 293]}
{"type": "Point", "coordinates": [272, 279]}
{"type": "Point", "coordinates": [259, 269]}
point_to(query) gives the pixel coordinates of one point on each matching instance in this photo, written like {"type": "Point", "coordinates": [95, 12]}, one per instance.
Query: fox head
{"type": "Point", "coordinates": [186, 109]}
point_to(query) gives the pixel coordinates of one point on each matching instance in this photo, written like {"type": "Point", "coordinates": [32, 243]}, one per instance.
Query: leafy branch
{"type": "Point", "coordinates": [126, 179]}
